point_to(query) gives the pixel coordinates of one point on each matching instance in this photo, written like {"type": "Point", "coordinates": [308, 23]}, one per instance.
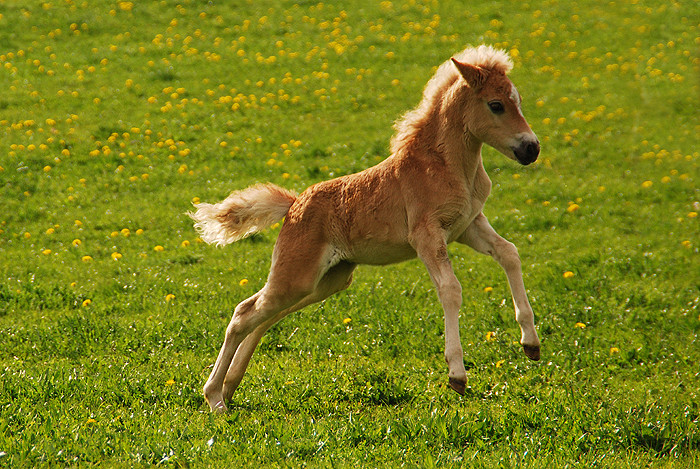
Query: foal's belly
{"type": "Point", "coordinates": [379, 253]}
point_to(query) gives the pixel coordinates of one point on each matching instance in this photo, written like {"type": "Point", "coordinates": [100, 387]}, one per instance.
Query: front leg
{"type": "Point", "coordinates": [484, 239]}
{"type": "Point", "coordinates": [431, 248]}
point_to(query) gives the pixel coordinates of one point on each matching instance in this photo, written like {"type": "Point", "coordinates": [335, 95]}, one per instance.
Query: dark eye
{"type": "Point", "coordinates": [497, 107]}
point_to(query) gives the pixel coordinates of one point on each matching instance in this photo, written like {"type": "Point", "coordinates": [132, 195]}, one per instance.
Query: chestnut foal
{"type": "Point", "coordinates": [428, 193]}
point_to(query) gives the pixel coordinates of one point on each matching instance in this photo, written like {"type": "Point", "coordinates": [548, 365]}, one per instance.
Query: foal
{"type": "Point", "coordinates": [428, 193]}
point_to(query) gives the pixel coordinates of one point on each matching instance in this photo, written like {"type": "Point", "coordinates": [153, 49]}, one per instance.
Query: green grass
{"type": "Point", "coordinates": [113, 119]}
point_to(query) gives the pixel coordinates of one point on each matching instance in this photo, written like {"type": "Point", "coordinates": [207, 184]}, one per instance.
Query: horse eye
{"type": "Point", "coordinates": [497, 107]}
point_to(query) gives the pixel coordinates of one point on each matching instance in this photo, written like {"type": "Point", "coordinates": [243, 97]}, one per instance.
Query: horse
{"type": "Point", "coordinates": [428, 193]}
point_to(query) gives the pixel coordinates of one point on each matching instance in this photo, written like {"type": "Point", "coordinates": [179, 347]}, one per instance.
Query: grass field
{"type": "Point", "coordinates": [115, 116]}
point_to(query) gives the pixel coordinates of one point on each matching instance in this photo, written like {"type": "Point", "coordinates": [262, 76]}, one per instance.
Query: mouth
{"type": "Point", "coordinates": [527, 152]}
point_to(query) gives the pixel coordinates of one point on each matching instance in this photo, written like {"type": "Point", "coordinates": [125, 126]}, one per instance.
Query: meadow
{"type": "Point", "coordinates": [116, 116]}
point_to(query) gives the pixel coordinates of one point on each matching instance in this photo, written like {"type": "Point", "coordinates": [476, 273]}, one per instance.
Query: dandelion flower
{"type": "Point", "coordinates": [116, 256]}
{"type": "Point", "coordinates": [185, 243]}
{"type": "Point", "coordinates": [488, 289]}
{"type": "Point", "coordinates": [170, 382]}
{"type": "Point", "coordinates": [86, 258]}
{"type": "Point", "coordinates": [614, 350]}
{"type": "Point", "coordinates": [490, 336]}
{"type": "Point", "coordinates": [572, 208]}
{"type": "Point", "coordinates": [500, 363]}
{"type": "Point", "coordinates": [87, 302]}
{"type": "Point", "coordinates": [568, 274]}
{"type": "Point", "coordinates": [159, 248]}
{"type": "Point", "coordinates": [46, 252]}
{"type": "Point", "coordinates": [686, 244]}
{"type": "Point", "coordinates": [243, 282]}
{"type": "Point", "coordinates": [169, 297]}
{"type": "Point", "coordinates": [580, 325]}
{"type": "Point", "coordinates": [76, 242]}
{"type": "Point", "coordinates": [647, 184]}
{"type": "Point", "coordinates": [91, 420]}
{"type": "Point", "coordinates": [347, 321]}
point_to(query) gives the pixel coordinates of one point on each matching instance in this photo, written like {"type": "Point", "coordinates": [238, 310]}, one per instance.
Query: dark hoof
{"type": "Point", "coordinates": [457, 385]}
{"type": "Point", "coordinates": [532, 351]}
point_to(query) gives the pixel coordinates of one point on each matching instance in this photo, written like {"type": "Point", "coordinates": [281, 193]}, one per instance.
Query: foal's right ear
{"type": "Point", "coordinates": [475, 76]}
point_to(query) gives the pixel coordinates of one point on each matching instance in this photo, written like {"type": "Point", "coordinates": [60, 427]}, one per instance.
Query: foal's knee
{"type": "Point", "coordinates": [507, 256]}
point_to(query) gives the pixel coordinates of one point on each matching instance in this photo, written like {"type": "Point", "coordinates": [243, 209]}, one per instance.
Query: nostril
{"type": "Point", "coordinates": [533, 148]}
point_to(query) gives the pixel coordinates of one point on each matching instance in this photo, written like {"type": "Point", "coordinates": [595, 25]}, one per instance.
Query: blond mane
{"type": "Point", "coordinates": [446, 75]}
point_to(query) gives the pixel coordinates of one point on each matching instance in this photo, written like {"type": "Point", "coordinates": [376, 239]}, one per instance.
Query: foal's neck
{"type": "Point", "coordinates": [455, 144]}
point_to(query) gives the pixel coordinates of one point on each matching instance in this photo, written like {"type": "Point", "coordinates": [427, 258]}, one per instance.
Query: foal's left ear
{"type": "Point", "coordinates": [475, 76]}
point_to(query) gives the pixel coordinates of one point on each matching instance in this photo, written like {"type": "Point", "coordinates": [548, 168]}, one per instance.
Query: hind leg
{"type": "Point", "coordinates": [336, 279]}
{"type": "Point", "coordinates": [248, 315]}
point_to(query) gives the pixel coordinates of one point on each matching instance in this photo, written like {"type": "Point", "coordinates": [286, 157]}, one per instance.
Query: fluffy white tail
{"type": "Point", "coordinates": [242, 213]}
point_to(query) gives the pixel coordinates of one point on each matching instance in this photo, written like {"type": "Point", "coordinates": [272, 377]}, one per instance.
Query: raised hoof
{"type": "Point", "coordinates": [532, 351]}
{"type": "Point", "coordinates": [457, 385]}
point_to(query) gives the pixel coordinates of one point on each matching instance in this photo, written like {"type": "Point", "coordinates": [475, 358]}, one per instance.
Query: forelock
{"type": "Point", "coordinates": [486, 57]}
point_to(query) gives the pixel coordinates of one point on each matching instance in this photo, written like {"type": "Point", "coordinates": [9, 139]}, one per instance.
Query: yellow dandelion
{"type": "Point", "coordinates": [139, 232]}
{"type": "Point", "coordinates": [243, 282]}
{"type": "Point", "coordinates": [78, 223]}
{"type": "Point", "coordinates": [86, 258]}
{"type": "Point", "coordinates": [91, 420]}
{"type": "Point", "coordinates": [568, 274]}
{"type": "Point", "coordinates": [170, 382]}
{"type": "Point", "coordinates": [87, 302]}
{"type": "Point", "coordinates": [159, 248]}
{"type": "Point", "coordinates": [490, 336]}
{"type": "Point", "coordinates": [116, 256]}
{"type": "Point", "coordinates": [500, 363]}
{"type": "Point", "coordinates": [169, 297]}
{"type": "Point", "coordinates": [692, 214]}
{"type": "Point", "coordinates": [347, 321]}
{"type": "Point", "coordinates": [126, 232]}
{"type": "Point", "coordinates": [614, 350]}
{"type": "Point", "coordinates": [185, 243]}
{"type": "Point", "coordinates": [50, 231]}
{"type": "Point", "coordinates": [572, 208]}
{"type": "Point", "coordinates": [488, 289]}
{"type": "Point", "coordinates": [76, 242]}
{"type": "Point", "coordinates": [647, 184]}
{"type": "Point", "coordinates": [46, 252]}
{"type": "Point", "coordinates": [580, 325]}
{"type": "Point", "coordinates": [686, 244]}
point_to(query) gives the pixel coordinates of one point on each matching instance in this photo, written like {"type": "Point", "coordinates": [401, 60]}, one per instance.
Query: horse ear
{"type": "Point", "coordinates": [475, 76]}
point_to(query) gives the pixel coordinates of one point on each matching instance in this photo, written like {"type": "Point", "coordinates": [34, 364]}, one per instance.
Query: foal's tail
{"type": "Point", "coordinates": [242, 213]}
